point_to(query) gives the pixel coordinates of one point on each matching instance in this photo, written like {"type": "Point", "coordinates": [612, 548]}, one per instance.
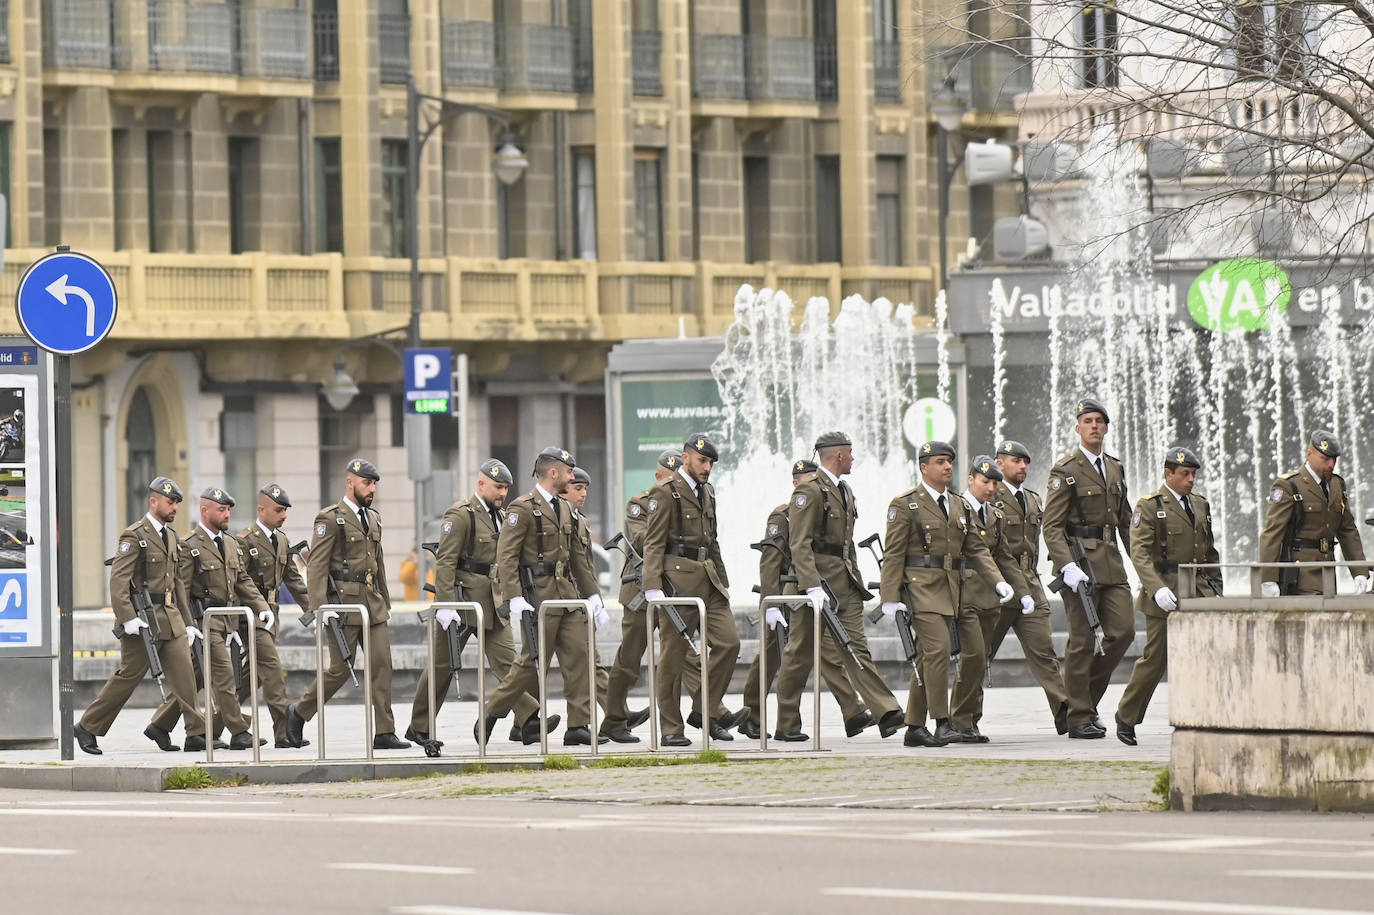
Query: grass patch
{"type": "Point", "coordinates": [423, 776]}
{"type": "Point", "coordinates": [559, 761]}
{"type": "Point", "coordinates": [1163, 787]}
{"type": "Point", "coordinates": [476, 769]}
{"type": "Point", "coordinates": [188, 779]}
{"type": "Point", "coordinates": [650, 762]}
{"type": "Point", "coordinates": [477, 790]}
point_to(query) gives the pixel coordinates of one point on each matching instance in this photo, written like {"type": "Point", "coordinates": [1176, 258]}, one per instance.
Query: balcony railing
{"type": "Point", "coordinates": [986, 77]}
{"type": "Point", "coordinates": [78, 33]}
{"type": "Point", "coordinates": [782, 69]}
{"type": "Point", "coordinates": [469, 54]}
{"type": "Point", "coordinates": [536, 58]}
{"type": "Point", "coordinates": [273, 43]}
{"type": "Point", "coordinates": [326, 26]}
{"type": "Point", "coordinates": [718, 64]}
{"type": "Point", "coordinates": [186, 38]}
{"type": "Point", "coordinates": [827, 70]}
{"type": "Point", "coordinates": [4, 31]}
{"type": "Point", "coordinates": [646, 58]}
{"type": "Point", "coordinates": [887, 71]}
{"type": "Point", "coordinates": [393, 47]}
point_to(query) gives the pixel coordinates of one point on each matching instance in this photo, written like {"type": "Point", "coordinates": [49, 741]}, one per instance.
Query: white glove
{"type": "Point", "coordinates": [654, 594]}
{"type": "Point", "coordinates": [518, 608]}
{"type": "Point", "coordinates": [232, 638]}
{"type": "Point", "coordinates": [1027, 604]}
{"type": "Point", "coordinates": [597, 605]}
{"type": "Point", "coordinates": [192, 633]}
{"type": "Point", "coordinates": [1269, 589]}
{"type": "Point", "coordinates": [1073, 576]}
{"type": "Point", "coordinates": [818, 595]}
{"type": "Point", "coordinates": [328, 615]}
{"type": "Point", "coordinates": [445, 617]}
{"type": "Point", "coordinates": [890, 608]}
{"type": "Point", "coordinates": [1166, 600]}
{"type": "Point", "coordinates": [1004, 591]}
{"type": "Point", "coordinates": [135, 624]}
{"type": "Point", "coordinates": [267, 618]}
{"type": "Point", "coordinates": [1361, 584]}
{"type": "Point", "coordinates": [599, 616]}
{"type": "Point", "coordinates": [774, 618]}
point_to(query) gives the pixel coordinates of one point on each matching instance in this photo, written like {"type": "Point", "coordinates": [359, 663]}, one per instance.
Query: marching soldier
{"type": "Point", "coordinates": [346, 556]}
{"type": "Point", "coordinates": [270, 565]}
{"type": "Point", "coordinates": [1171, 525]}
{"type": "Point", "coordinates": [1087, 507]}
{"type": "Point", "coordinates": [577, 498]}
{"type": "Point", "coordinates": [1308, 515]}
{"type": "Point", "coordinates": [932, 538]}
{"type": "Point", "coordinates": [145, 562]}
{"type": "Point", "coordinates": [634, 634]}
{"type": "Point", "coordinates": [539, 559]}
{"type": "Point", "coordinates": [682, 555]}
{"type": "Point", "coordinates": [1021, 513]}
{"type": "Point", "coordinates": [212, 572]}
{"type": "Point", "coordinates": [820, 519]}
{"type": "Point", "coordinates": [775, 564]}
{"type": "Point", "coordinates": [465, 569]}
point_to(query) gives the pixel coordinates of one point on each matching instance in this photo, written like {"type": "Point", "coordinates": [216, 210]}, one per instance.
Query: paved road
{"type": "Point", "coordinates": [222, 851]}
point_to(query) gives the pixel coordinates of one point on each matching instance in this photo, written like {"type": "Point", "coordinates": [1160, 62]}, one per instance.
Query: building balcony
{"type": "Point", "coordinates": [755, 68]}
{"type": "Point", "coordinates": [469, 54]}
{"type": "Point", "coordinates": [536, 58]}
{"type": "Point", "coordinates": [646, 58]}
{"type": "Point", "coordinates": [986, 78]}
{"type": "Point", "coordinates": [393, 48]}
{"type": "Point", "coordinates": [329, 297]}
{"type": "Point", "coordinates": [4, 31]}
{"type": "Point", "coordinates": [887, 71]}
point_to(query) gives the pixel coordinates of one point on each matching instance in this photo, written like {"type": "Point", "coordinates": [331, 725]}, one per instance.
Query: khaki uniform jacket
{"type": "Point", "coordinates": [1022, 535]}
{"type": "Point", "coordinates": [773, 564]}
{"type": "Point", "coordinates": [271, 569]}
{"type": "Point", "coordinates": [141, 558]}
{"type": "Point", "coordinates": [636, 525]}
{"type": "Point", "coordinates": [1323, 519]}
{"type": "Point", "coordinates": [467, 536]}
{"type": "Point", "coordinates": [1099, 503]}
{"type": "Point", "coordinates": [220, 582]}
{"type": "Point", "coordinates": [679, 523]}
{"type": "Point", "coordinates": [979, 591]}
{"type": "Point", "coordinates": [933, 589]}
{"type": "Point", "coordinates": [817, 513]}
{"type": "Point", "coordinates": [338, 543]}
{"type": "Point", "coordinates": [1162, 537]}
{"type": "Point", "coordinates": [568, 574]}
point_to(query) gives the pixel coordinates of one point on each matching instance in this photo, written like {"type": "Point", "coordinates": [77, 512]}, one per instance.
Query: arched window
{"type": "Point", "coordinates": [141, 438]}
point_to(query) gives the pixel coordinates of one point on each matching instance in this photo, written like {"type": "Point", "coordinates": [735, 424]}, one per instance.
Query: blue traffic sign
{"type": "Point", "coordinates": [66, 303]}
{"type": "Point", "coordinates": [429, 380]}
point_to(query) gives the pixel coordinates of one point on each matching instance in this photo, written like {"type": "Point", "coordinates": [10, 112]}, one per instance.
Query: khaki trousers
{"type": "Point", "coordinates": [133, 666]}
{"type": "Point", "coordinates": [1147, 672]}
{"type": "Point", "coordinates": [379, 666]}
{"type": "Point", "coordinates": [722, 650]}
{"type": "Point", "coordinates": [500, 652]}
{"type": "Point", "coordinates": [1086, 674]}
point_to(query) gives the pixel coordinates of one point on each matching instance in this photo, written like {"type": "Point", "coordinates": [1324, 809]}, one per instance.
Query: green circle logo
{"type": "Point", "coordinates": [1241, 294]}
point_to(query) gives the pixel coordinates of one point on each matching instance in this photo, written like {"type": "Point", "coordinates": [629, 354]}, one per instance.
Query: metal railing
{"type": "Point", "coordinates": [393, 47]}
{"type": "Point", "coordinates": [985, 77]}
{"type": "Point", "coordinates": [247, 614]}
{"type": "Point", "coordinates": [4, 31]}
{"type": "Point", "coordinates": [273, 43]}
{"type": "Point", "coordinates": [536, 58]}
{"type": "Point", "coordinates": [718, 67]}
{"type": "Point", "coordinates": [827, 70]}
{"type": "Point", "coordinates": [542, 666]}
{"type": "Point", "coordinates": [469, 54]}
{"type": "Point", "coordinates": [707, 708]}
{"type": "Point", "coordinates": [782, 69]}
{"type": "Point", "coordinates": [320, 625]}
{"type": "Point", "coordinates": [778, 600]}
{"type": "Point", "coordinates": [646, 59]}
{"type": "Point", "coordinates": [77, 33]}
{"type": "Point", "coordinates": [430, 626]}
{"type": "Point", "coordinates": [1188, 573]}
{"type": "Point", "coordinates": [887, 71]}
{"type": "Point", "coordinates": [325, 24]}
{"type": "Point", "coordinates": [191, 38]}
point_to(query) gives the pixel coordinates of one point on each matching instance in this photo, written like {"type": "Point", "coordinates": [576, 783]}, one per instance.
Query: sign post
{"type": "Point", "coordinates": [67, 304]}
{"type": "Point", "coordinates": [428, 380]}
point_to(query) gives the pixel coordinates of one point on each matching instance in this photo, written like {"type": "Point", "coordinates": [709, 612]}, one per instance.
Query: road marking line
{"type": "Point", "coordinates": [1306, 875]}
{"type": "Point", "coordinates": [883, 800]}
{"type": "Point", "coordinates": [958, 801]}
{"type": "Point", "coordinates": [1199, 843]}
{"type": "Point", "coordinates": [1101, 903]}
{"type": "Point", "coordinates": [461, 910]}
{"type": "Point", "coordinates": [41, 852]}
{"type": "Point", "coordinates": [432, 869]}
{"type": "Point", "coordinates": [973, 835]}
{"type": "Point", "coordinates": [722, 800]}
{"type": "Point", "coordinates": [1077, 800]}
{"type": "Point", "coordinates": [806, 800]}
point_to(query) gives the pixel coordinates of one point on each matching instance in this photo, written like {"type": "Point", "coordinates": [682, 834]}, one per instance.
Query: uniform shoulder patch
{"type": "Point", "coordinates": [447, 527]}
{"type": "Point", "coordinates": [512, 518]}
{"type": "Point", "coordinates": [653, 505]}
{"type": "Point", "coordinates": [125, 546]}
{"type": "Point", "coordinates": [320, 529]}
{"type": "Point", "coordinates": [1277, 495]}
{"type": "Point", "coordinates": [892, 514]}
{"type": "Point", "coordinates": [1056, 482]}
{"type": "Point", "coordinates": [800, 500]}
{"type": "Point", "coordinates": [772, 530]}
{"type": "Point", "coordinates": [1135, 520]}
{"type": "Point", "coordinates": [635, 510]}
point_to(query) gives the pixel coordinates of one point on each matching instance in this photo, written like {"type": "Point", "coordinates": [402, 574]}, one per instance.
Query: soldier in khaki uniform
{"type": "Point", "coordinates": [682, 556]}
{"type": "Point", "coordinates": [346, 547]}
{"type": "Point", "coordinates": [212, 572]}
{"type": "Point", "coordinates": [1308, 515]}
{"type": "Point", "coordinates": [147, 558]}
{"type": "Point", "coordinates": [775, 563]}
{"type": "Point", "coordinates": [270, 565]}
{"type": "Point", "coordinates": [634, 633]}
{"type": "Point", "coordinates": [538, 559]}
{"type": "Point", "coordinates": [577, 498]}
{"type": "Point", "coordinates": [1171, 525]}
{"type": "Point", "coordinates": [1022, 511]}
{"type": "Point", "coordinates": [932, 538]}
{"type": "Point", "coordinates": [820, 519]}
{"type": "Point", "coordinates": [1087, 503]}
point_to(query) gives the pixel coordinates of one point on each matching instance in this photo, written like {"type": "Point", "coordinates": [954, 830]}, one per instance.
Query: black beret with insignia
{"type": "Point", "coordinates": [802, 465]}
{"type": "Point", "coordinates": [166, 486]}
{"type": "Point", "coordinates": [832, 440]}
{"type": "Point", "coordinates": [670, 459]}
{"type": "Point", "coordinates": [580, 476]}
{"type": "Point", "coordinates": [1090, 405]}
{"type": "Point", "coordinates": [276, 494]}
{"type": "Point", "coordinates": [218, 496]}
{"type": "Point", "coordinates": [985, 466]}
{"type": "Point", "coordinates": [1179, 456]}
{"type": "Point", "coordinates": [1015, 449]}
{"type": "Point", "coordinates": [558, 454]}
{"type": "Point", "coordinates": [935, 449]}
{"type": "Point", "coordinates": [1326, 443]}
{"type": "Point", "coordinates": [360, 467]}
{"type": "Point", "coordinates": [702, 445]}
{"type": "Point", "coordinates": [493, 469]}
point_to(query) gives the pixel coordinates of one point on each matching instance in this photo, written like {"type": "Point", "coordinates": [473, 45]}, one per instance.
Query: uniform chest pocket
{"type": "Point", "coordinates": [355, 538]}
{"type": "Point", "coordinates": [1035, 518]}
{"type": "Point", "coordinates": [688, 515]}
{"type": "Point", "coordinates": [210, 566]}
{"type": "Point", "coordinates": [1093, 499]}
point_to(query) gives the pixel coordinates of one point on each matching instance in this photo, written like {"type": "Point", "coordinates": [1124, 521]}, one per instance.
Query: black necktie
{"type": "Point", "coordinates": [844, 495]}
{"type": "Point", "coordinates": [1187, 507]}
{"type": "Point", "coordinates": [557, 513]}
{"type": "Point", "coordinates": [273, 537]}
{"type": "Point", "coordinates": [982, 516]}
{"type": "Point", "coordinates": [219, 543]}
{"type": "Point", "coordinates": [1326, 490]}
{"type": "Point", "coordinates": [362, 517]}
{"type": "Point", "coordinates": [495, 520]}
{"type": "Point", "coordinates": [166, 544]}
{"type": "Point", "coordinates": [1021, 501]}
{"type": "Point", "coordinates": [1100, 472]}
{"type": "Point", "coordinates": [941, 502]}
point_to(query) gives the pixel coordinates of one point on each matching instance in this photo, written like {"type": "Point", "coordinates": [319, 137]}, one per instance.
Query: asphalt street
{"type": "Point", "coordinates": [227, 851]}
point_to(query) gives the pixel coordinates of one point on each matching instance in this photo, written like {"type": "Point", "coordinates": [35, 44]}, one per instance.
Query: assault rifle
{"type": "Point", "coordinates": [1087, 592]}
{"type": "Point", "coordinates": [335, 627]}
{"type": "Point", "coordinates": [902, 617]}
{"type": "Point", "coordinates": [635, 575]}
{"type": "Point", "coordinates": [785, 579]}
{"type": "Point", "coordinates": [459, 634]}
{"type": "Point", "coordinates": [142, 601]}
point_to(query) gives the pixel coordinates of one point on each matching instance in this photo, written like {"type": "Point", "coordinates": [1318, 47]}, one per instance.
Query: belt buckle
{"type": "Point", "coordinates": [166, 598]}
{"type": "Point", "coordinates": [947, 563]}
{"type": "Point", "coordinates": [369, 579]}
{"type": "Point", "coordinates": [1326, 545]}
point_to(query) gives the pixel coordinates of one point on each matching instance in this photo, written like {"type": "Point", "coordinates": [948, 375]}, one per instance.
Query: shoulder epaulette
{"type": "Point", "coordinates": [1111, 457]}
{"type": "Point", "coordinates": [641, 495]}
{"type": "Point", "coordinates": [1157, 494]}
{"type": "Point", "coordinates": [1289, 475]}
{"type": "Point", "coordinates": [1031, 491]}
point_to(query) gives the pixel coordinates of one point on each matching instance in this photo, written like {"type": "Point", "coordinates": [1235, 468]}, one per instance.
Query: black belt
{"type": "Point", "coordinates": [1326, 546]}
{"type": "Point", "coordinates": [932, 561]}
{"type": "Point", "coordinates": [158, 597]}
{"type": "Point", "coordinates": [544, 569]}
{"type": "Point", "coordinates": [1166, 568]}
{"type": "Point", "coordinates": [1025, 560]}
{"type": "Point", "coordinates": [1090, 531]}
{"type": "Point", "coordinates": [687, 552]}
{"type": "Point", "coordinates": [828, 549]}
{"type": "Point", "coordinates": [345, 575]}
{"type": "Point", "coordinates": [477, 568]}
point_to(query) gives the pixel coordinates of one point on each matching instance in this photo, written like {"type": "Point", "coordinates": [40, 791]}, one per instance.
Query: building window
{"type": "Point", "coordinates": [243, 195]}
{"type": "Point", "coordinates": [757, 228]}
{"type": "Point", "coordinates": [584, 203]}
{"type": "Point", "coordinates": [52, 187]}
{"type": "Point", "coordinates": [160, 188]}
{"type": "Point", "coordinates": [328, 195]}
{"type": "Point", "coordinates": [510, 216]}
{"type": "Point", "coordinates": [394, 202]}
{"type": "Point", "coordinates": [1100, 63]}
{"type": "Point", "coordinates": [503, 427]}
{"type": "Point", "coordinates": [6, 133]}
{"type": "Point", "coordinates": [648, 206]}
{"type": "Point", "coordinates": [140, 439]}
{"type": "Point", "coordinates": [1271, 37]}
{"type": "Point", "coordinates": [828, 247]}
{"type": "Point", "coordinates": [341, 437]}
{"type": "Point", "coordinates": [238, 440]}
{"type": "Point", "coordinates": [889, 216]}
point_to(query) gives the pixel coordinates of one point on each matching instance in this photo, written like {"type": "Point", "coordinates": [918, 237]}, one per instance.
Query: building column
{"type": "Point", "coordinates": [614, 144]}
{"type": "Point", "coordinates": [854, 40]}
{"type": "Point", "coordinates": [359, 89]}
